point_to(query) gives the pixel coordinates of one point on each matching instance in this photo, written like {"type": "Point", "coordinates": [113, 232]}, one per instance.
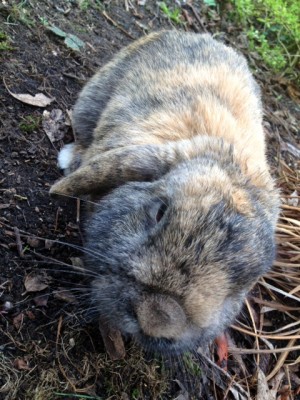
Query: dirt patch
{"type": "Point", "coordinates": [49, 349]}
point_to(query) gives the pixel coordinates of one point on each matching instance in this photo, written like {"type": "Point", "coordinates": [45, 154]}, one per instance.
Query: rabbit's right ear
{"type": "Point", "coordinates": [115, 167]}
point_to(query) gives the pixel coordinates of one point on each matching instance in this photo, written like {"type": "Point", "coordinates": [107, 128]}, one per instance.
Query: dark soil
{"type": "Point", "coordinates": [48, 346]}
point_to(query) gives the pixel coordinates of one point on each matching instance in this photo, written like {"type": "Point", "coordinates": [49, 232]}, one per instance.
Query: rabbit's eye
{"type": "Point", "coordinates": [157, 210]}
{"type": "Point", "coordinates": [161, 212]}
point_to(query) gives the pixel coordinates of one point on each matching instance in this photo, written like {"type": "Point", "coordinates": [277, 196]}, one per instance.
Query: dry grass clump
{"type": "Point", "coordinates": [267, 359]}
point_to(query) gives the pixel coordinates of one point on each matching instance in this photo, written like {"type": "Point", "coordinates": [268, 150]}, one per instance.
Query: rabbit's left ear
{"type": "Point", "coordinates": [115, 167]}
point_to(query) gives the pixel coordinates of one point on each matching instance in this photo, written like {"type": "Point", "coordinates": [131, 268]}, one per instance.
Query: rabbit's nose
{"type": "Point", "coordinates": [161, 316]}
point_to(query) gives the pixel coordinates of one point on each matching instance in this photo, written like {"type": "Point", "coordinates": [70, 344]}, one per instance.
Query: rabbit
{"type": "Point", "coordinates": [171, 148]}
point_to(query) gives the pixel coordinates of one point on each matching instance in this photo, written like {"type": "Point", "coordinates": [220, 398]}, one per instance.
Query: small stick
{"type": "Point", "coordinates": [77, 211]}
{"type": "Point", "coordinates": [18, 241]}
{"type": "Point", "coordinates": [198, 18]}
{"type": "Point", "coordinates": [117, 25]}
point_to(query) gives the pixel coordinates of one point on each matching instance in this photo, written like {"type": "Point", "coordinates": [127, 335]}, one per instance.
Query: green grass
{"type": "Point", "coordinates": [4, 42]}
{"type": "Point", "coordinates": [19, 12]}
{"type": "Point", "coordinates": [191, 365]}
{"type": "Point", "coordinates": [174, 14]}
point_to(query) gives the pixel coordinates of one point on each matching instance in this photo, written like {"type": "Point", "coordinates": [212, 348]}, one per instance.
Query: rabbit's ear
{"type": "Point", "coordinates": [115, 167]}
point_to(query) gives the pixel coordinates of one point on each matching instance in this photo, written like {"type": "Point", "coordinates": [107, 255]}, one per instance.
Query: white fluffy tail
{"type": "Point", "coordinates": [65, 156]}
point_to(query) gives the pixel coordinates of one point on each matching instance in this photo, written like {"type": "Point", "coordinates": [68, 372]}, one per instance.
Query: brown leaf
{"type": "Point", "coordinates": [33, 242]}
{"type": "Point", "coordinates": [38, 100]}
{"type": "Point", "coordinates": [53, 124]}
{"type": "Point", "coordinates": [77, 263]}
{"type": "Point", "coordinates": [36, 283]}
{"type": "Point", "coordinates": [113, 341]}
{"type": "Point", "coordinates": [30, 315]}
{"type": "Point", "coordinates": [65, 295]}
{"type": "Point", "coordinates": [41, 300]}
{"type": "Point", "coordinates": [18, 320]}
{"type": "Point", "coordinates": [21, 364]}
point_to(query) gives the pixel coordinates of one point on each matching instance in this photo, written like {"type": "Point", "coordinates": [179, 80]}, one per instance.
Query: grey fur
{"type": "Point", "coordinates": [172, 127]}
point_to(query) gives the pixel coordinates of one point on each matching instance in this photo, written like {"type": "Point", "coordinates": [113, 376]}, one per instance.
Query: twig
{"type": "Point", "coordinates": [198, 18]}
{"type": "Point", "coordinates": [77, 211]}
{"type": "Point", "coordinates": [18, 241]}
{"type": "Point", "coordinates": [117, 25]}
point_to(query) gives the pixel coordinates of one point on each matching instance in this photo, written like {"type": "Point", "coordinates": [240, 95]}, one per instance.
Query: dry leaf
{"type": "Point", "coordinates": [65, 295]}
{"type": "Point", "coordinates": [20, 363]}
{"type": "Point", "coordinates": [293, 200]}
{"type": "Point", "coordinates": [39, 100]}
{"type": "Point", "coordinates": [33, 242]}
{"type": "Point", "coordinates": [263, 391]}
{"type": "Point", "coordinates": [77, 263]}
{"type": "Point", "coordinates": [30, 315]}
{"type": "Point", "coordinates": [222, 351]}
{"type": "Point", "coordinates": [53, 124]}
{"type": "Point", "coordinates": [41, 300]}
{"type": "Point", "coordinates": [36, 283]}
{"type": "Point", "coordinates": [18, 320]}
{"type": "Point", "coordinates": [113, 341]}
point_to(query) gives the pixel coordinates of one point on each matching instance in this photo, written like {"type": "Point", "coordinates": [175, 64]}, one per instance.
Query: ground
{"type": "Point", "coordinates": [49, 349]}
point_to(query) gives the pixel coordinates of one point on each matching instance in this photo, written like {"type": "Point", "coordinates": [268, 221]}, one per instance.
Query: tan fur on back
{"type": "Point", "coordinates": [171, 131]}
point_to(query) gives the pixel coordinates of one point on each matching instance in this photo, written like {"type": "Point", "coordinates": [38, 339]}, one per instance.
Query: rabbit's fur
{"type": "Point", "coordinates": [172, 129]}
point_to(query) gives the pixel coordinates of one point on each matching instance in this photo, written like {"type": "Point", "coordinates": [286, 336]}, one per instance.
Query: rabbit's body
{"type": "Point", "coordinates": [174, 125]}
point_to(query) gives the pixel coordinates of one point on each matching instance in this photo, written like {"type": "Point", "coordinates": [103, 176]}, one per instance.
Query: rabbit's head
{"type": "Point", "coordinates": [174, 258]}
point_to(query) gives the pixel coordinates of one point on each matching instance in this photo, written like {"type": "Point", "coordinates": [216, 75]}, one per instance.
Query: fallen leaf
{"type": "Point", "coordinates": [48, 244]}
{"type": "Point", "coordinates": [74, 42]}
{"type": "Point", "coordinates": [33, 242]}
{"type": "Point", "coordinates": [21, 364]}
{"type": "Point", "coordinates": [57, 31]}
{"type": "Point", "coordinates": [53, 124]}
{"type": "Point", "coordinates": [30, 315]}
{"type": "Point", "coordinates": [113, 341]}
{"type": "Point", "coordinates": [38, 100]}
{"type": "Point", "coordinates": [77, 263]}
{"type": "Point", "coordinates": [70, 40]}
{"type": "Point", "coordinates": [65, 295]}
{"type": "Point", "coordinates": [36, 283]}
{"type": "Point", "coordinates": [293, 200]}
{"type": "Point", "coordinates": [18, 320]}
{"type": "Point", "coordinates": [222, 351]}
{"type": "Point", "coordinates": [41, 300]}
{"type": "Point", "coordinates": [263, 391]}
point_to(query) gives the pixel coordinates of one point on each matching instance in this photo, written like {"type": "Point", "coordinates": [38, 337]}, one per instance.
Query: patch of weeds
{"type": "Point", "coordinates": [272, 56]}
{"type": "Point", "coordinates": [135, 394]}
{"type": "Point", "coordinates": [139, 378]}
{"type": "Point", "coordinates": [30, 123]}
{"type": "Point", "coordinates": [173, 14]}
{"type": "Point", "coordinates": [4, 42]}
{"type": "Point", "coordinates": [191, 365]}
{"type": "Point", "coordinates": [273, 30]}
{"type": "Point", "coordinates": [84, 5]}
{"type": "Point", "coordinates": [20, 13]}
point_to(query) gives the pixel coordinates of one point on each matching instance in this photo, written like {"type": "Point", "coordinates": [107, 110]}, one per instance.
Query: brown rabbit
{"type": "Point", "coordinates": [172, 129]}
